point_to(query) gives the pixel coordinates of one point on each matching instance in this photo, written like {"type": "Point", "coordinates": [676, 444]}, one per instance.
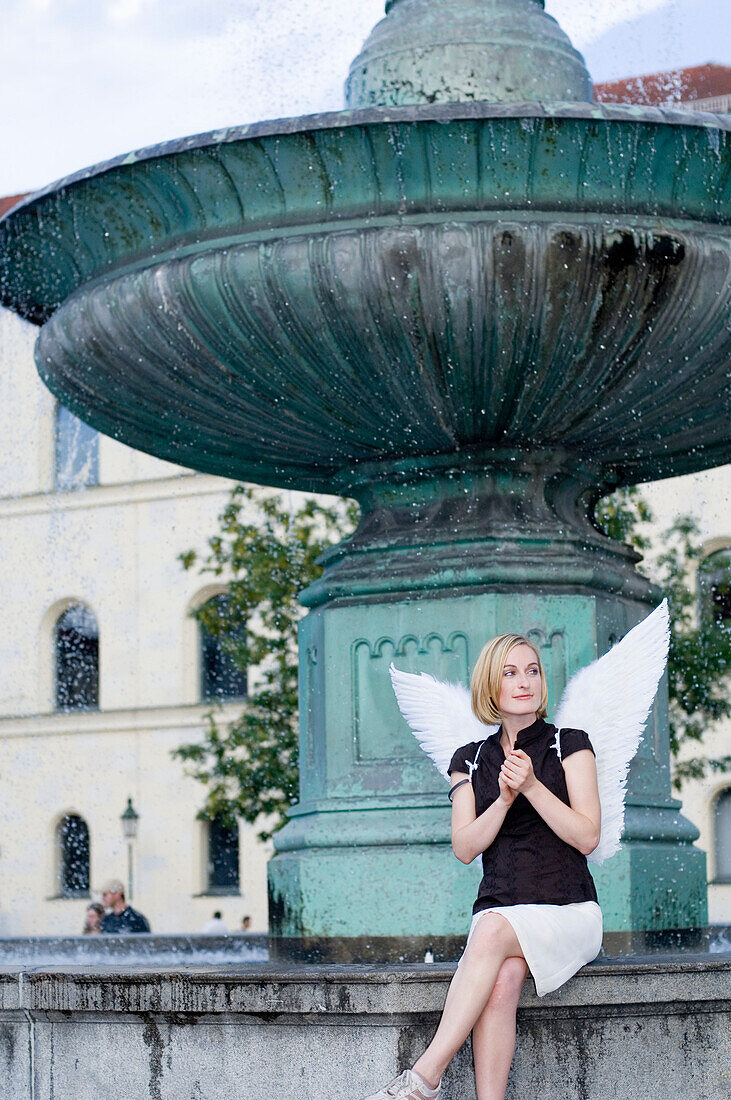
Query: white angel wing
{"type": "Point", "coordinates": [440, 715]}
{"type": "Point", "coordinates": [611, 699]}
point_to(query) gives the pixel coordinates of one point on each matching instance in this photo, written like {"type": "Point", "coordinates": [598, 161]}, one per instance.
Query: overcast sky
{"type": "Point", "coordinates": [83, 80]}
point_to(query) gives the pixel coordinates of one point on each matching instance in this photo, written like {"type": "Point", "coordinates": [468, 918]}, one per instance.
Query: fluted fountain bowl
{"type": "Point", "coordinates": [289, 302]}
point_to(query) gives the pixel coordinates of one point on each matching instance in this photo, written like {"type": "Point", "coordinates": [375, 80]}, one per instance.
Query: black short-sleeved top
{"type": "Point", "coordinates": [129, 920]}
{"type": "Point", "coordinates": [527, 861]}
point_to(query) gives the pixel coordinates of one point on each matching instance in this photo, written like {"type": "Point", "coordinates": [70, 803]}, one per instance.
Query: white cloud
{"type": "Point", "coordinates": [121, 11]}
{"type": "Point", "coordinates": [583, 22]}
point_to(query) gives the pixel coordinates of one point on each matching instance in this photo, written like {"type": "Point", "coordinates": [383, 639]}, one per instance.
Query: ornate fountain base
{"type": "Point", "coordinates": [424, 583]}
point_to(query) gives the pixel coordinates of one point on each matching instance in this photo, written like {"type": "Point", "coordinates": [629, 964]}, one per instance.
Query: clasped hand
{"type": "Point", "coordinates": [516, 775]}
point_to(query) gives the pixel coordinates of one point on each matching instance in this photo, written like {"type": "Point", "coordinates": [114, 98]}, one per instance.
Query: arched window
{"type": "Point", "coordinates": [223, 857]}
{"type": "Point", "coordinates": [722, 836]}
{"type": "Point", "coordinates": [221, 677]}
{"type": "Point", "coordinates": [72, 838]}
{"type": "Point", "coordinates": [77, 659]}
{"type": "Point", "coordinates": [714, 585]}
{"type": "Point", "coordinates": [77, 452]}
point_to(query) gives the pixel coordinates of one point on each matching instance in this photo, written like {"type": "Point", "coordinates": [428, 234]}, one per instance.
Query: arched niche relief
{"type": "Point", "coordinates": [379, 731]}
{"type": "Point", "coordinates": [48, 650]}
{"type": "Point", "coordinates": [551, 645]}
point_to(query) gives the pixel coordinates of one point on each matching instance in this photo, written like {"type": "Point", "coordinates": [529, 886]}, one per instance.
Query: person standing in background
{"type": "Point", "coordinates": [93, 922]}
{"type": "Point", "coordinates": [215, 926]}
{"type": "Point", "coordinates": [121, 918]}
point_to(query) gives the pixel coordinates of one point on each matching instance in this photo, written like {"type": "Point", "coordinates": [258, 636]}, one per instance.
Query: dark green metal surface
{"type": "Point", "coordinates": [494, 51]}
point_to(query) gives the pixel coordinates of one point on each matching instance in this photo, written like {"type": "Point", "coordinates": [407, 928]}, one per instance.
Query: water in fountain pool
{"type": "Point", "coordinates": [164, 952]}
{"type": "Point", "coordinates": [24, 952]}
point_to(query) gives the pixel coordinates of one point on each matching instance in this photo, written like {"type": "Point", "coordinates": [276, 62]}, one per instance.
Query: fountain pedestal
{"type": "Point", "coordinates": [445, 557]}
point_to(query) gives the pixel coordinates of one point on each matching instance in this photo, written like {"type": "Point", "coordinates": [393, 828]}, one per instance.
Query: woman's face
{"type": "Point", "coordinates": [520, 689]}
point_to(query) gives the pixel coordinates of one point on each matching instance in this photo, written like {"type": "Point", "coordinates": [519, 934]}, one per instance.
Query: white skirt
{"type": "Point", "coordinates": [556, 940]}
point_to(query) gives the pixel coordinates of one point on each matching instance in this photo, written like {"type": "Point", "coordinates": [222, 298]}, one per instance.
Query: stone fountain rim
{"type": "Point", "coordinates": [334, 120]}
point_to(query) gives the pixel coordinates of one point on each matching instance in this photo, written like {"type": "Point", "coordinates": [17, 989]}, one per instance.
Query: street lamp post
{"type": "Point", "coordinates": [129, 820]}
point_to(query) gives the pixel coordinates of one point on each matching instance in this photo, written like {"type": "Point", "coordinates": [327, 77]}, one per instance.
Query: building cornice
{"type": "Point", "coordinates": [120, 493]}
{"type": "Point", "coordinates": [132, 720]}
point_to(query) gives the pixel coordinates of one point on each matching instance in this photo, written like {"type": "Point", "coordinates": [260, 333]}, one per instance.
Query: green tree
{"type": "Point", "coordinates": [268, 553]}
{"type": "Point", "coordinates": [620, 515]}
{"type": "Point", "coordinates": [699, 661]}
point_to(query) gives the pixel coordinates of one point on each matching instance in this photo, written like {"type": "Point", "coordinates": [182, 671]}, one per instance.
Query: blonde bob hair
{"type": "Point", "coordinates": [487, 677]}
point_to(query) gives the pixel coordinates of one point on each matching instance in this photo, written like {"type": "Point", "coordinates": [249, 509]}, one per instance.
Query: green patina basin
{"type": "Point", "coordinates": [290, 301]}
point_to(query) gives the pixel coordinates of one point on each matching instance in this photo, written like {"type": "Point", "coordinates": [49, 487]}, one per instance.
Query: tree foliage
{"type": "Point", "coordinates": [267, 553]}
{"type": "Point", "coordinates": [621, 514]}
{"type": "Point", "coordinates": [699, 661]}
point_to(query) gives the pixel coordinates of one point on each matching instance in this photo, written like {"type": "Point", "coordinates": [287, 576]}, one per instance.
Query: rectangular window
{"type": "Point", "coordinates": [77, 452]}
{"type": "Point", "coordinates": [223, 858]}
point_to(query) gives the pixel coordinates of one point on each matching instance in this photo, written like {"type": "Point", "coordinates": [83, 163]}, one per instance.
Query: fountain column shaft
{"type": "Point", "coordinates": [447, 51]}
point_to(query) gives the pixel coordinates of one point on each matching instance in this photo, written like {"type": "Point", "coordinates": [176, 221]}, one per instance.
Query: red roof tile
{"type": "Point", "coordinates": [8, 202]}
{"type": "Point", "coordinates": [675, 86]}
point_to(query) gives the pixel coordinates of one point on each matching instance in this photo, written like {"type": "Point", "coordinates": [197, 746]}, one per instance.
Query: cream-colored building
{"type": "Point", "coordinates": [107, 551]}
{"type": "Point", "coordinates": [90, 535]}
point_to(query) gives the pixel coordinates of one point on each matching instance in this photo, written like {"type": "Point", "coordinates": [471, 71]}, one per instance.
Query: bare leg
{"type": "Point", "coordinates": [493, 941]}
{"type": "Point", "coordinates": [493, 1036]}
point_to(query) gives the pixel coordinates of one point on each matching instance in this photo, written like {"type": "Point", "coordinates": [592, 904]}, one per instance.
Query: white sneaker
{"type": "Point", "coordinates": [407, 1086]}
